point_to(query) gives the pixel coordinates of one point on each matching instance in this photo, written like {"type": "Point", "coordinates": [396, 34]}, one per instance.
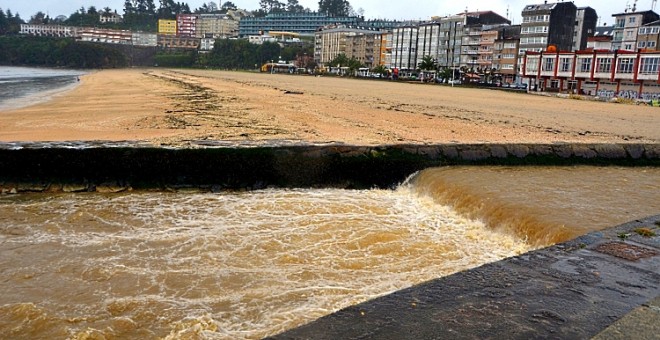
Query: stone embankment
{"type": "Point", "coordinates": [73, 167]}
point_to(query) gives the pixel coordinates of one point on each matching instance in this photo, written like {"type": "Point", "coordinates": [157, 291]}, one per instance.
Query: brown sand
{"type": "Point", "coordinates": [174, 107]}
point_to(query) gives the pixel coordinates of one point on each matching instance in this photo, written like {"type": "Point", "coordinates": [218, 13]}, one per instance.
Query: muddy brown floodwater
{"type": "Point", "coordinates": [252, 264]}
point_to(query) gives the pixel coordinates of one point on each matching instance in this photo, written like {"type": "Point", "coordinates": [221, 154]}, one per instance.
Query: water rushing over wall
{"type": "Point", "coordinates": [252, 264]}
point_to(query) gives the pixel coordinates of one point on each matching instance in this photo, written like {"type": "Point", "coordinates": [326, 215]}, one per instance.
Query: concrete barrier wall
{"type": "Point", "coordinates": [117, 167]}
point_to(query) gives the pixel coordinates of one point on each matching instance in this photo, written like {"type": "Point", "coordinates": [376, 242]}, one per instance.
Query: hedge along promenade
{"type": "Point", "coordinates": [114, 167]}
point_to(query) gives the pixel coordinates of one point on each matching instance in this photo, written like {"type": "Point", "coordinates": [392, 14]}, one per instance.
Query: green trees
{"type": "Point", "coordinates": [293, 6]}
{"type": "Point", "coordinates": [272, 6]}
{"type": "Point", "coordinates": [337, 8]}
{"type": "Point", "coordinates": [84, 17]}
{"type": "Point", "coordinates": [341, 60]}
{"type": "Point", "coordinates": [379, 69]}
{"type": "Point", "coordinates": [9, 23]}
{"type": "Point", "coordinates": [428, 64]}
{"type": "Point", "coordinates": [42, 51]}
{"type": "Point", "coordinates": [240, 54]}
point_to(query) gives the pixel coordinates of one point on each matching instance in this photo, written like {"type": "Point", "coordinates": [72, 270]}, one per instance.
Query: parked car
{"type": "Point", "coordinates": [455, 82]}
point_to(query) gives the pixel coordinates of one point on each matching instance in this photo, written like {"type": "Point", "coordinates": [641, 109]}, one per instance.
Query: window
{"type": "Point", "coordinates": [641, 44]}
{"type": "Point", "coordinates": [649, 65]}
{"type": "Point", "coordinates": [565, 64]}
{"type": "Point", "coordinates": [625, 65]}
{"type": "Point", "coordinates": [585, 65]}
{"type": "Point", "coordinates": [604, 65]}
{"type": "Point", "coordinates": [650, 44]}
{"type": "Point", "coordinates": [534, 29]}
{"type": "Point", "coordinates": [531, 66]}
{"type": "Point", "coordinates": [620, 23]}
{"type": "Point", "coordinates": [632, 20]}
{"type": "Point", "coordinates": [548, 64]}
{"type": "Point", "coordinates": [534, 40]}
{"type": "Point", "coordinates": [628, 47]}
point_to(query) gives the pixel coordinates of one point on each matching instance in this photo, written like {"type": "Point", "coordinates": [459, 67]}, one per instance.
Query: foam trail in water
{"type": "Point", "coordinates": [237, 265]}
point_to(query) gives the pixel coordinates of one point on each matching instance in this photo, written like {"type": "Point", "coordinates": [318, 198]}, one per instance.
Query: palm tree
{"type": "Point", "coordinates": [427, 64]}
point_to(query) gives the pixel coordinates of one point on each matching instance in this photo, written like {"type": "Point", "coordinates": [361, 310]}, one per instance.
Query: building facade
{"type": "Point", "coordinates": [626, 27]}
{"type": "Point", "coordinates": [167, 41]}
{"type": "Point", "coordinates": [606, 74]}
{"type": "Point", "coordinates": [145, 39]}
{"type": "Point", "coordinates": [505, 54]}
{"type": "Point", "coordinates": [586, 20]}
{"type": "Point", "coordinates": [451, 31]}
{"type": "Point", "coordinates": [404, 48]}
{"type": "Point", "coordinates": [648, 37]}
{"type": "Point", "coordinates": [167, 27]}
{"type": "Point", "coordinates": [186, 25]}
{"type": "Point", "coordinates": [50, 31]}
{"type": "Point", "coordinates": [107, 36]}
{"type": "Point", "coordinates": [602, 39]}
{"type": "Point", "coordinates": [110, 18]}
{"type": "Point", "coordinates": [302, 23]}
{"type": "Point", "coordinates": [547, 24]}
{"type": "Point", "coordinates": [358, 43]}
{"type": "Point", "coordinates": [216, 26]}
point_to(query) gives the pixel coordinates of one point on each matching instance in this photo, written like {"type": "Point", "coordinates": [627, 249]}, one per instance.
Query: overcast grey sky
{"type": "Point", "coordinates": [401, 10]}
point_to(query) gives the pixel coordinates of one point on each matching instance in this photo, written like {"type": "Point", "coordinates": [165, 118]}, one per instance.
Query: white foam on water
{"type": "Point", "coordinates": [240, 265]}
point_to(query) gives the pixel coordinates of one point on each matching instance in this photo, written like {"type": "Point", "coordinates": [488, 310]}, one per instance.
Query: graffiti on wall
{"type": "Point", "coordinates": [628, 94]}
{"type": "Point", "coordinates": [605, 94]}
{"type": "Point", "coordinates": [650, 96]}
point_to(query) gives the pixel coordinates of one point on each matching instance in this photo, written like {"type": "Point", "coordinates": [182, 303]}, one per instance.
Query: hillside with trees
{"type": "Point", "coordinates": [59, 52]}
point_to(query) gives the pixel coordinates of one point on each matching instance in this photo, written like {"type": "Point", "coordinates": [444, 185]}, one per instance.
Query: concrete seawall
{"type": "Point", "coordinates": [93, 166]}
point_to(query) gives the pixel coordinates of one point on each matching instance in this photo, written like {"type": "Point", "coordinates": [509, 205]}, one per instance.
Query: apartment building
{"type": "Point", "coordinates": [216, 26]}
{"type": "Point", "coordinates": [626, 27]}
{"type": "Point", "coordinates": [648, 36]}
{"type": "Point", "coordinates": [586, 20]}
{"type": "Point", "coordinates": [186, 25]}
{"type": "Point", "coordinates": [602, 38]}
{"type": "Point", "coordinates": [606, 74]}
{"type": "Point", "coordinates": [505, 54]}
{"type": "Point", "coordinates": [167, 27]}
{"type": "Point", "coordinates": [365, 48]}
{"type": "Point", "coordinates": [178, 42]}
{"type": "Point", "coordinates": [359, 43]}
{"type": "Point", "coordinates": [302, 23]}
{"type": "Point", "coordinates": [404, 48]}
{"type": "Point", "coordinates": [547, 24]}
{"type": "Point", "coordinates": [145, 39]}
{"type": "Point", "coordinates": [50, 31]}
{"type": "Point", "coordinates": [107, 36]}
{"type": "Point", "coordinates": [451, 31]}
{"type": "Point", "coordinates": [479, 39]}
{"type": "Point", "coordinates": [110, 18]}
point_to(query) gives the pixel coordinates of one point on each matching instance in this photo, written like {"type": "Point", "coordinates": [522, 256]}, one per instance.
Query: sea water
{"type": "Point", "coordinates": [250, 264]}
{"type": "Point", "coordinates": [23, 86]}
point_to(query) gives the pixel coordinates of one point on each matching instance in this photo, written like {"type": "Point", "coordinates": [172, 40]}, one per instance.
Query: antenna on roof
{"type": "Point", "coordinates": [634, 8]}
{"type": "Point", "coordinates": [653, 3]}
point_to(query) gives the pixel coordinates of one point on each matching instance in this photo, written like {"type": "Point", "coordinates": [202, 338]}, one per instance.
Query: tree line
{"type": "Point", "coordinates": [58, 52]}
{"type": "Point", "coordinates": [237, 55]}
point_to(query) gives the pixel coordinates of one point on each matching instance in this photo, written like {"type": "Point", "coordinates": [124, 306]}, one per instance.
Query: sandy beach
{"type": "Point", "coordinates": [174, 107]}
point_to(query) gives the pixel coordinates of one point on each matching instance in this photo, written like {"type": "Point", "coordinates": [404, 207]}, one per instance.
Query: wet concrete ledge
{"type": "Point", "coordinates": [573, 290]}
{"type": "Point", "coordinates": [87, 166]}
